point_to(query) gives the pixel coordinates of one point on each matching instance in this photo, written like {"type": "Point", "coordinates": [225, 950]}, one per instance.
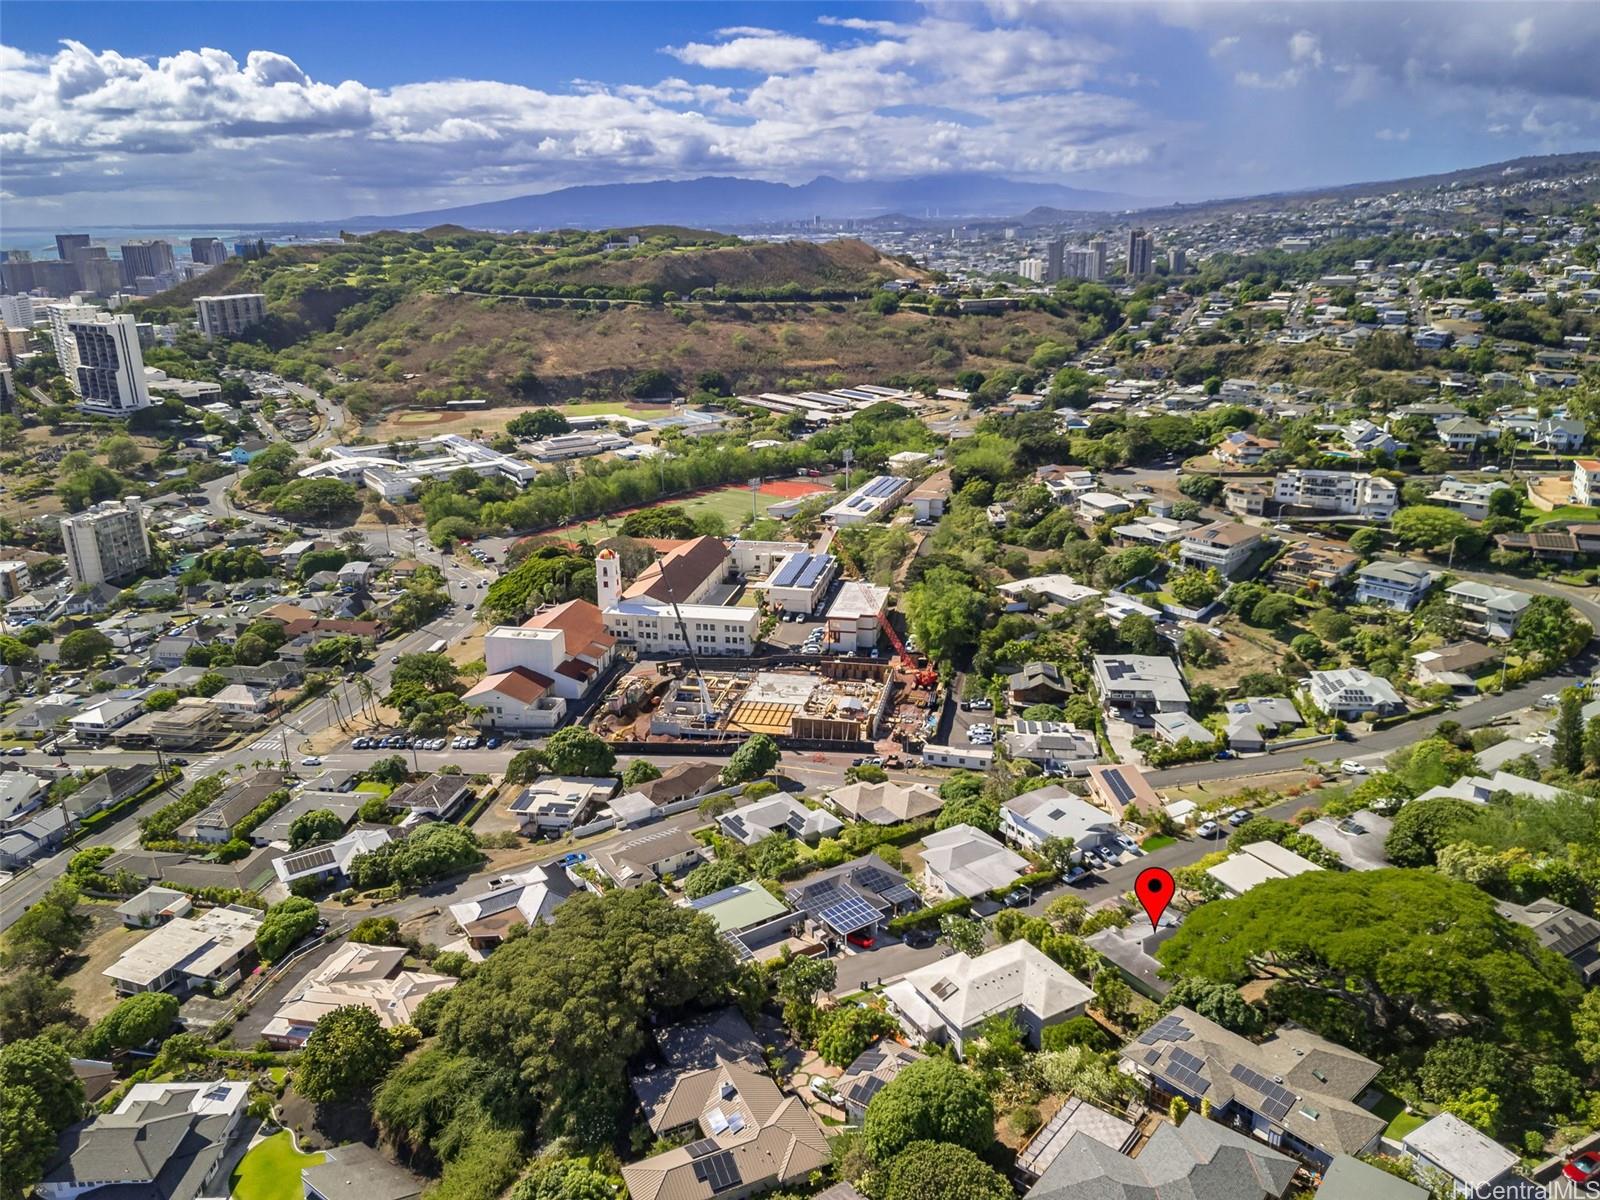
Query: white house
{"type": "Point", "coordinates": [1353, 493]}
{"type": "Point", "coordinates": [1352, 692]}
{"type": "Point", "coordinates": [1053, 812]}
{"type": "Point", "coordinates": [1474, 1163]}
{"type": "Point", "coordinates": [965, 861]}
{"type": "Point", "coordinates": [1490, 611]}
{"type": "Point", "coordinates": [1225, 545]}
{"type": "Point", "coordinates": [1397, 585]}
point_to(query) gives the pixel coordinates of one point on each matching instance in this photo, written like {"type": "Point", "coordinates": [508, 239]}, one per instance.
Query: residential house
{"type": "Point", "coordinates": [1486, 610]}
{"type": "Point", "coordinates": [370, 977]}
{"type": "Point", "coordinates": [331, 861]}
{"type": "Point", "coordinates": [21, 794]}
{"type": "Point", "coordinates": [238, 800]}
{"type": "Point", "coordinates": [1033, 818]}
{"type": "Point", "coordinates": [752, 1137]}
{"type": "Point", "coordinates": [747, 915]}
{"type": "Point", "coordinates": [1140, 682]}
{"type": "Point", "coordinates": [1585, 481]}
{"type": "Point", "coordinates": [1257, 863]}
{"type": "Point", "coordinates": [1312, 565]}
{"type": "Point", "coordinates": [681, 783]}
{"type": "Point", "coordinates": [555, 803]}
{"type": "Point", "coordinates": [1572, 934]}
{"type": "Point", "coordinates": [109, 788]}
{"type": "Point", "coordinates": [855, 896]}
{"type": "Point", "coordinates": [1351, 1179]}
{"type": "Point", "coordinates": [868, 1074]}
{"type": "Point", "coordinates": [1471, 500]}
{"type": "Point", "coordinates": [1561, 435]}
{"type": "Point", "coordinates": [1351, 693]}
{"type": "Point", "coordinates": [1364, 437]}
{"type": "Point", "coordinates": [529, 897]}
{"type": "Point", "coordinates": [1118, 788]}
{"type": "Point", "coordinates": [885, 803]}
{"type": "Point", "coordinates": [1349, 493]}
{"type": "Point", "coordinates": [190, 724]}
{"type": "Point", "coordinates": [1463, 434]}
{"type": "Point", "coordinates": [1037, 683]}
{"type": "Point", "coordinates": [187, 954]}
{"type": "Point", "coordinates": [648, 857]}
{"type": "Point", "coordinates": [1295, 1091]}
{"type": "Point", "coordinates": [1225, 545]}
{"type": "Point", "coordinates": [1056, 745]}
{"type": "Point", "coordinates": [1132, 950]}
{"type": "Point", "coordinates": [1196, 1159]}
{"type": "Point", "coordinates": [1246, 499]}
{"type": "Point", "coordinates": [948, 1000]}
{"type": "Point", "coordinates": [1152, 531]}
{"type": "Point", "coordinates": [1477, 789]}
{"type": "Point", "coordinates": [1396, 585]}
{"type": "Point", "coordinates": [1057, 589]}
{"type": "Point", "coordinates": [176, 1141]}
{"type": "Point", "coordinates": [96, 723]}
{"type": "Point", "coordinates": [432, 798]}
{"type": "Point", "coordinates": [778, 814]}
{"type": "Point", "coordinates": [1358, 839]}
{"type": "Point", "coordinates": [1176, 727]}
{"type": "Point", "coordinates": [1243, 449]}
{"type": "Point", "coordinates": [359, 1172]}
{"type": "Point", "coordinates": [40, 834]}
{"type": "Point", "coordinates": [1249, 723]}
{"type": "Point", "coordinates": [154, 906]}
{"type": "Point", "coordinates": [965, 861]}
{"type": "Point", "coordinates": [1472, 1163]}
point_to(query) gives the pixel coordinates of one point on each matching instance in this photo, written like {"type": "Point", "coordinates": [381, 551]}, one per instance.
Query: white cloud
{"type": "Point", "coordinates": [1393, 135]}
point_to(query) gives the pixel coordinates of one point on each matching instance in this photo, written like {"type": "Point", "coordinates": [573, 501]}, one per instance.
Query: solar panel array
{"type": "Point", "coordinates": [1189, 1062]}
{"type": "Point", "coordinates": [875, 879]}
{"type": "Point", "coordinates": [1119, 786]}
{"type": "Point", "coordinates": [867, 1060]}
{"type": "Point", "coordinates": [727, 893]}
{"type": "Point", "coordinates": [701, 1148]}
{"type": "Point", "coordinates": [847, 916]}
{"type": "Point", "coordinates": [863, 1090]}
{"type": "Point", "coordinates": [815, 897]}
{"type": "Point", "coordinates": [1276, 1100]}
{"type": "Point", "coordinates": [1187, 1080]}
{"type": "Point", "coordinates": [1168, 1029]}
{"type": "Point", "coordinates": [720, 1171]}
{"type": "Point", "coordinates": [791, 569]}
{"type": "Point", "coordinates": [796, 824]}
{"type": "Point", "coordinates": [881, 486]}
{"type": "Point", "coordinates": [497, 902]}
{"type": "Point", "coordinates": [310, 860]}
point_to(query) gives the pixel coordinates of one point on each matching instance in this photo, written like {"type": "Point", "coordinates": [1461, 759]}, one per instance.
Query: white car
{"type": "Point", "coordinates": [311, 760]}
{"type": "Point", "coordinates": [1351, 767]}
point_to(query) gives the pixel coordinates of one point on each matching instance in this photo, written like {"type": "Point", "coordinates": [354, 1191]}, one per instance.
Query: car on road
{"type": "Point", "coordinates": [1549, 700]}
{"type": "Point", "coordinates": [492, 744]}
{"type": "Point", "coordinates": [1017, 897]}
{"type": "Point", "coordinates": [178, 762]}
{"type": "Point", "coordinates": [311, 760]}
{"type": "Point", "coordinates": [1224, 755]}
{"type": "Point", "coordinates": [394, 658]}
{"type": "Point", "coordinates": [17, 751]}
{"type": "Point", "coordinates": [1583, 1168]}
{"type": "Point", "coordinates": [1351, 767]}
{"type": "Point", "coordinates": [1209, 829]}
{"type": "Point", "coordinates": [979, 705]}
{"type": "Point", "coordinates": [1238, 817]}
{"type": "Point", "coordinates": [920, 938]}
{"type": "Point", "coordinates": [1284, 528]}
{"type": "Point", "coordinates": [573, 859]}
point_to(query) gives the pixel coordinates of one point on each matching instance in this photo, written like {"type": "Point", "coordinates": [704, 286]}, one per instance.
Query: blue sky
{"type": "Point", "coordinates": [122, 113]}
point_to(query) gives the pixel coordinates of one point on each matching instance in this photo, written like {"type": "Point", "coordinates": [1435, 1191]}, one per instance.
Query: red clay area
{"type": "Point", "coordinates": [789, 489]}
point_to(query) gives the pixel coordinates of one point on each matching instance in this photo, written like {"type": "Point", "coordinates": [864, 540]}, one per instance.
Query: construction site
{"type": "Point", "coordinates": [846, 701]}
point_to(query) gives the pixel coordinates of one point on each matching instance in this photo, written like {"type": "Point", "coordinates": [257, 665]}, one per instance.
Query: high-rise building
{"type": "Point", "coordinates": [50, 276]}
{"type": "Point", "coordinates": [17, 311]}
{"type": "Point", "coordinates": [13, 343]}
{"type": "Point", "coordinates": [1099, 248]}
{"type": "Point", "coordinates": [16, 274]}
{"type": "Point", "coordinates": [1032, 269]}
{"type": "Point", "coordinates": [229, 316]}
{"type": "Point", "coordinates": [1177, 261]}
{"type": "Point", "coordinates": [98, 273]}
{"type": "Point", "coordinates": [109, 364]}
{"type": "Point", "coordinates": [106, 542]}
{"type": "Point", "coordinates": [1141, 253]}
{"type": "Point", "coordinates": [1053, 250]}
{"type": "Point", "coordinates": [152, 258]}
{"type": "Point", "coordinates": [1078, 264]}
{"type": "Point", "coordinates": [70, 245]}
{"type": "Point", "coordinates": [61, 317]}
{"type": "Point", "coordinates": [250, 250]}
{"type": "Point", "coordinates": [208, 250]}
{"type": "Point", "coordinates": [8, 390]}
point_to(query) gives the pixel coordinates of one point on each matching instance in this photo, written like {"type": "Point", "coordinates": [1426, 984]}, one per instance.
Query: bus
{"type": "Point", "coordinates": [437, 647]}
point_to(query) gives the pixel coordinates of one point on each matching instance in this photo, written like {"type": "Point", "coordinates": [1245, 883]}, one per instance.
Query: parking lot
{"type": "Point", "coordinates": [966, 720]}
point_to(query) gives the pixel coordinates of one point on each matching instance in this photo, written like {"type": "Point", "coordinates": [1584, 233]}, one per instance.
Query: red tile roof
{"type": "Point", "coordinates": [519, 683]}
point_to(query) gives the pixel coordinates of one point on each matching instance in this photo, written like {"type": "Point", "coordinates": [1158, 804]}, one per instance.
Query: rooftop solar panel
{"type": "Point", "coordinates": [795, 824]}
{"type": "Point", "coordinates": [322, 856]}
{"type": "Point", "coordinates": [848, 916]}
{"type": "Point", "coordinates": [720, 1171]}
{"type": "Point", "coordinates": [1187, 1061]}
{"type": "Point", "coordinates": [818, 896]}
{"type": "Point", "coordinates": [864, 1090]}
{"type": "Point", "coordinates": [1119, 786]}
{"type": "Point", "coordinates": [813, 570]}
{"type": "Point", "coordinates": [867, 1060]}
{"type": "Point", "coordinates": [701, 1148]}
{"type": "Point", "coordinates": [901, 894]}
{"type": "Point", "coordinates": [790, 570]}
{"type": "Point", "coordinates": [727, 893]}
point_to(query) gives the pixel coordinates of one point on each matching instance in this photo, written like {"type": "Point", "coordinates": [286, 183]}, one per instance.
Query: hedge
{"type": "Point", "coordinates": [1402, 718]}
{"type": "Point", "coordinates": [1036, 879]}
{"type": "Point", "coordinates": [261, 812]}
{"type": "Point", "coordinates": [161, 823]}
{"type": "Point", "coordinates": [925, 916]}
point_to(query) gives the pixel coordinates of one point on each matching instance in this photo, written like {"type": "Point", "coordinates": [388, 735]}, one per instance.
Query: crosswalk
{"type": "Point", "coordinates": [273, 742]}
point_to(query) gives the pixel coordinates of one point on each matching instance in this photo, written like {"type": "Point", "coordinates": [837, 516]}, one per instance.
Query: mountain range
{"type": "Point", "coordinates": [720, 202]}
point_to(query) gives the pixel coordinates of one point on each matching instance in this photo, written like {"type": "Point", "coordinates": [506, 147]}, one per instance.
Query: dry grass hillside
{"type": "Point", "coordinates": [816, 267]}
{"type": "Point", "coordinates": [454, 341]}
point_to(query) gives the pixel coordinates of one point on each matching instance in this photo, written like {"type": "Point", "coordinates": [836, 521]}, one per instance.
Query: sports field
{"type": "Point", "coordinates": [731, 503]}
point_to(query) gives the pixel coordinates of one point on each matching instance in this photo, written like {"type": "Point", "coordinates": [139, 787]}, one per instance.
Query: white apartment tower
{"type": "Point", "coordinates": [108, 366]}
{"type": "Point", "coordinates": [60, 316]}
{"type": "Point", "coordinates": [106, 542]}
{"type": "Point", "coordinates": [229, 316]}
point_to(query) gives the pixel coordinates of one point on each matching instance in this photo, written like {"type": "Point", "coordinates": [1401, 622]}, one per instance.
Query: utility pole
{"type": "Point", "coordinates": [755, 495]}
{"type": "Point", "coordinates": [849, 457]}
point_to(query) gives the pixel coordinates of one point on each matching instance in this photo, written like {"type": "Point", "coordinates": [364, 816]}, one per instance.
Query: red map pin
{"type": "Point", "coordinates": [1154, 887]}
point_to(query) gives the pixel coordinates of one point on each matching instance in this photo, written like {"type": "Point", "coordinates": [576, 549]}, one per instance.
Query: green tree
{"type": "Point", "coordinates": [284, 925]}
{"type": "Point", "coordinates": [756, 758]}
{"type": "Point", "coordinates": [1274, 611]}
{"type": "Point", "coordinates": [539, 423]}
{"type": "Point", "coordinates": [1478, 1107]}
{"type": "Point", "coordinates": [849, 1029]}
{"type": "Point", "coordinates": [376, 931]}
{"type": "Point", "coordinates": [47, 929]}
{"type": "Point", "coordinates": [1193, 589]}
{"type": "Point", "coordinates": [318, 825]}
{"type": "Point", "coordinates": [1367, 542]}
{"type": "Point", "coordinates": [1568, 750]}
{"type": "Point", "coordinates": [714, 876]}
{"type": "Point", "coordinates": [1550, 627]}
{"type": "Point", "coordinates": [84, 648]}
{"type": "Point", "coordinates": [576, 751]}
{"type": "Point", "coordinates": [347, 1053]}
{"type": "Point", "coordinates": [566, 1179]}
{"type": "Point", "coordinates": [932, 1170]}
{"type": "Point", "coordinates": [945, 613]}
{"type": "Point", "coordinates": [1112, 995]}
{"type": "Point", "coordinates": [27, 1142]}
{"type": "Point", "coordinates": [135, 1021]}
{"type": "Point", "coordinates": [30, 1002]}
{"type": "Point", "coordinates": [1429, 527]}
{"type": "Point", "coordinates": [160, 700]}
{"type": "Point", "coordinates": [980, 811]}
{"type": "Point", "coordinates": [640, 771]}
{"type": "Point", "coordinates": [660, 521]}
{"type": "Point", "coordinates": [962, 934]}
{"type": "Point", "coordinates": [933, 1099]}
{"type": "Point", "coordinates": [42, 1068]}
{"type": "Point", "coordinates": [434, 672]}
{"type": "Point", "coordinates": [1423, 827]}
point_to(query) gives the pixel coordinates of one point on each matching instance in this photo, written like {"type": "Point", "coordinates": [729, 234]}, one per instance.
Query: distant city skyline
{"type": "Point", "coordinates": [118, 114]}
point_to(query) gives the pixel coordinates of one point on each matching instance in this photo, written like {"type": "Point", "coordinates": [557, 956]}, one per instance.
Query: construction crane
{"type": "Point", "coordinates": [926, 675]}
{"type": "Point", "coordinates": [708, 710]}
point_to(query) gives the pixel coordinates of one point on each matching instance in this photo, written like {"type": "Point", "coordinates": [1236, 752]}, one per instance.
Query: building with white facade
{"type": "Point", "coordinates": [800, 582]}
{"type": "Point", "coordinates": [186, 953]}
{"type": "Point", "coordinates": [1225, 545]}
{"type": "Point", "coordinates": [59, 317]}
{"type": "Point", "coordinates": [1352, 493]}
{"type": "Point", "coordinates": [229, 316]}
{"type": "Point", "coordinates": [1397, 585]}
{"type": "Point", "coordinates": [1145, 681]}
{"type": "Point", "coordinates": [1585, 481]}
{"type": "Point", "coordinates": [1471, 500]}
{"type": "Point", "coordinates": [100, 356]}
{"type": "Point", "coordinates": [107, 542]}
{"type": "Point", "coordinates": [852, 622]}
{"type": "Point", "coordinates": [383, 471]}
{"type": "Point", "coordinates": [873, 499]}
{"type": "Point", "coordinates": [1489, 611]}
{"type": "Point", "coordinates": [671, 590]}
{"type": "Point", "coordinates": [533, 670]}
{"type": "Point", "coordinates": [1352, 692]}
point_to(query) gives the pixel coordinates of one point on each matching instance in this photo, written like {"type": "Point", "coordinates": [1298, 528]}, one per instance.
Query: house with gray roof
{"type": "Point", "coordinates": [1351, 692]}
{"type": "Point", "coordinates": [1296, 1091]}
{"type": "Point", "coordinates": [1249, 723]}
{"type": "Point", "coordinates": [1198, 1160]}
{"type": "Point", "coordinates": [1572, 934]}
{"type": "Point", "coordinates": [1351, 1179]}
{"type": "Point", "coordinates": [1357, 840]}
{"type": "Point", "coordinates": [778, 814]}
{"type": "Point", "coordinates": [964, 861]}
{"type": "Point", "coordinates": [165, 1141]}
{"type": "Point", "coordinates": [1473, 1163]}
{"type": "Point", "coordinates": [358, 1172]}
{"type": "Point", "coordinates": [1396, 585]}
{"type": "Point", "coordinates": [1143, 681]}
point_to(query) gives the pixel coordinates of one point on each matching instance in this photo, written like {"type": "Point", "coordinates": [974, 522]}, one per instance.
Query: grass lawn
{"type": "Point", "coordinates": [1157, 842]}
{"type": "Point", "coordinates": [272, 1170]}
{"type": "Point", "coordinates": [1565, 514]}
{"type": "Point", "coordinates": [731, 503]}
{"type": "Point", "coordinates": [375, 787]}
{"type": "Point", "coordinates": [1393, 1110]}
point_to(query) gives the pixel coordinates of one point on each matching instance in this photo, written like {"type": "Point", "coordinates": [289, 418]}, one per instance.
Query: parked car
{"type": "Point", "coordinates": [862, 941]}
{"type": "Point", "coordinates": [1209, 829]}
{"type": "Point", "coordinates": [492, 744]}
{"type": "Point", "coordinates": [1223, 755]}
{"type": "Point", "coordinates": [1582, 1168]}
{"type": "Point", "coordinates": [573, 859]}
{"type": "Point", "coordinates": [920, 938]}
{"type": "Point", "coordinates": [1351, 767]}
{"type": "Point", "coordinates": [980, 705]}
{"type": "Point", "coordinates": [1017, 897]}
{"type": "Point", "coordinates": [1238, 817]}
{"type": "Point", "coordinates": [17, 751]}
